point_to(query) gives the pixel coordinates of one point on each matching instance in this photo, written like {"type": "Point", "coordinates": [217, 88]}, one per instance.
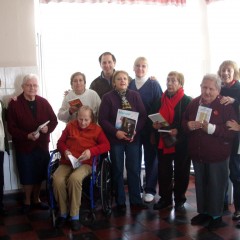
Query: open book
{"type": "Point", "coordinates": [203, 114]}
{"type": "Point", "coordinates": [127, 121]}
{"type": "Point", "coordinates": [157, 117]}
{"type": "Point", "coordinates": [75, 103]}
{"type": "Point", "coordinates": [40, 127]}
{"type": "Point", "coordinates": [76, 162]}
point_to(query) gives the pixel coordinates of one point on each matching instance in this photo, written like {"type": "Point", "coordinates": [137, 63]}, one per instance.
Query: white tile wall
{"type": "Point", "coordinates": [11, 86]}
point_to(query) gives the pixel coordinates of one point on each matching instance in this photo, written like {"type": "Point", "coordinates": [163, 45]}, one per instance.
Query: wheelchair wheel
{"type": "Point", "coordinates": [106, 187]}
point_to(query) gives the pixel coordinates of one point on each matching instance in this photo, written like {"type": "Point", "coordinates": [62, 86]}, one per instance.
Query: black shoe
{"type": "Point", "coordinates": [121, 207]}
{"type": "Point", "coordinates": [60, 222]}
{"type": "Point", "coordinates": [161, 204]}
{"type": "Point", "coordinates": [41, 206]}
{"type": "Point", "coordinates": [3, 212]}
{"type": "Point", "coordinates": [26, 208]}
{"type": "Point", "coordinates": [215, 223]}
{"type": "Point", "coordinates": [75, 225]}
{"type": "Point", "coordinates": [138, 207]}
{"type": "Point", "coordinates": [179, 206]}
{"type": "Point", "coordinates": [200, 219]}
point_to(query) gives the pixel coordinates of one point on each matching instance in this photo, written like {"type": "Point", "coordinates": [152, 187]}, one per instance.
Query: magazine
{"type": "Point", "coordinates": [203, 114]}
{"type": "Point", "coordinates": [40, 127]}
{"type": "Point", "coordinates": [127, 121]}
{"type": "Point", "coordinates": [75, 103]}
{"type": "Point", "coordinates": [76, 162]}
{"type": "Point", "coordinates": [157, 117]}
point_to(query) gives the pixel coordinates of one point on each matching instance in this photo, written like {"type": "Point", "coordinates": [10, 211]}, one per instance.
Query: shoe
{"type": "Point", "coordinates": [161, 204]}
{"type": "Point", "coordinates": [200, 219]}
{"type": "Point", "coordinates": [60, 222]}
{"type": "Point", "coordinates": [3, 212]}
{"type": "Point", "coordinates": [179, 206]}
{"type": "Point", "coordinates": [121, 207]}
{"type": "Point", "coordinates": [236, 215]}
{"type": "Point", "coordinates": [148, 197]}
{"type": "Point", "coordinates": [75, 225]}
{"type": "Point", "coordinates": [238, 224]}
{"type": "Point", "coordinates": [41, 206]}
{"type": "Point", "coordinates": [138, 207]}
{"type": "Point", "coordinates": [26, 208]}
{"type": "Point", "coordinates": [215, 223]}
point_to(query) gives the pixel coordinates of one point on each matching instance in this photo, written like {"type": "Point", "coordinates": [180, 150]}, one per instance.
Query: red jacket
{"type": "Point", "coordinates": [76, 140]}
{"type": "Point", "coordinates": [21, 122]}
{"type": "Point", "coordinates": [210, 148]}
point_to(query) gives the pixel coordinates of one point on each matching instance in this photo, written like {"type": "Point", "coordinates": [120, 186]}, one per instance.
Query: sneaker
{"type": "Point", "coordinates": [215, 223]}
{"type": "Point", "coordinates": [236, 215]}
{"type": "Point", "coordinates": [60, 222]}
{"type": "Point", "coordinates": [148, 197]}
{"type": "Point", "coordinates": [161, 204]}
{"type": "Point", "coordinates": [200, 219]}
{"type": "Point", "coordinates": [75, 225]}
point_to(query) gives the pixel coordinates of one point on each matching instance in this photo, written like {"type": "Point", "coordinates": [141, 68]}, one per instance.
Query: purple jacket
{"type": "Point", "coordinates": [109, 106]}
{"type": "Point", "coordinates": [205, 147]}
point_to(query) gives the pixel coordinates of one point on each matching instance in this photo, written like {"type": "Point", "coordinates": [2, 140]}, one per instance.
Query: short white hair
{"type": "Point", "coordinates": [28, 77]}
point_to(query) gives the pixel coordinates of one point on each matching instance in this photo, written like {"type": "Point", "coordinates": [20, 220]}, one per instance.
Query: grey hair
{"type": "Point", "coordinates": [213, 77]}
{"type": "Point", "coordinates": [28, 77]}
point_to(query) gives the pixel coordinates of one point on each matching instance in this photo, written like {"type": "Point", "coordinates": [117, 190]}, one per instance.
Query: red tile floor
{"type": "Point", "coordinates": [143, 225]}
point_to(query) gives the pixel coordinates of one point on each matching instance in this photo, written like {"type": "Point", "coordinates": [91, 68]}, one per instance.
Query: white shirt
{"type": "Point", "coordinates": [140, 81]}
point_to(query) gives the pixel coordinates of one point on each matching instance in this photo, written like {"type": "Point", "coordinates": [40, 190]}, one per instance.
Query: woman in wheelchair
{"type": "Point", "coordinates": [81, 138]}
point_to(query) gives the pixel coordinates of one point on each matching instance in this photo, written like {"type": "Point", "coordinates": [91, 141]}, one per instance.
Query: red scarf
{"type": "Point", "coordinates": [167, 111]}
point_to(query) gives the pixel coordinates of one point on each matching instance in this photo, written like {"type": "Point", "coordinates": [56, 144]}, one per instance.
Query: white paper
{"type": "Point", "coordinates": [74, 161]}
{"type": "Point", "coordinates": [157, 117]}
{"type": "Point", "coordinates": [203, 114]}
{"type": "Point", "coordinates": [162, 130]}
{"type": "Point", "coordinates": [40, 127]}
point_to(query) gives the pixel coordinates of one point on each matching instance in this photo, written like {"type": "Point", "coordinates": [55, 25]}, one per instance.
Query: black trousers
{"type": "Point", "coordinates": [1, 178]}
{"type": "Point", "coordinates": [173, 175]}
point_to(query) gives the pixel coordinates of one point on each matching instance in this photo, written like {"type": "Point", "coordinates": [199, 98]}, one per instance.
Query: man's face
{"type": "Point", "coordinates": [107, 64]}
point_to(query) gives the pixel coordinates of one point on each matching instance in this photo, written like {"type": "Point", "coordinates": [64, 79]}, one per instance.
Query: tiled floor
{"type": "Point", "coordinates": [145, 225]}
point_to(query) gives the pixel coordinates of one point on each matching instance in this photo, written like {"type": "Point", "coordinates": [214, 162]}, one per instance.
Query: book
{"type": "Point", "coordinates": [127, 121]}
{"type": "Point", "coordinates": [203, 114]}
{"type": "Point", "coordinates": [157, 117]}
{"type": "Point", "coordinates": [40, 127]}
{"type": "Point", "coordinates": [75, 103]}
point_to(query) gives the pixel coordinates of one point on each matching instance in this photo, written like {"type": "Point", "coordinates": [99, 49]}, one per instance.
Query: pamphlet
{"type": "Point", "coordinates": [75, 103]}
{"type": "Point", "coordinates": [157, 117]}
{"type": "Point", "coordinates": [126, 121]}
{"type": "Point", "coordinates": [203, 114]}
{"type": "Point", "coordinates": [40, 127]}
{"type": "Point", "coordinates": [76, 162]}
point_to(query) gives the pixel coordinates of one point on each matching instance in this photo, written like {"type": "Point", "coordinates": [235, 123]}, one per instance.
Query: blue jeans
{"type": "Point", "coordinates": [234, 166]}
{"type": "Point", "coordinates": [129, 151]}
{"type": "Point", "coordinates": [151, 163]}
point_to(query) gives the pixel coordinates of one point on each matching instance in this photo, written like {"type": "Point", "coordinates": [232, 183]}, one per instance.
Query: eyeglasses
{"type": "Point", "coordinates": [31, 85]}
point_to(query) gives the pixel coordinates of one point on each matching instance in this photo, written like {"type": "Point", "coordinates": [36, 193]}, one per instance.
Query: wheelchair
{"type": "Point", "coordinates": [97, 185]}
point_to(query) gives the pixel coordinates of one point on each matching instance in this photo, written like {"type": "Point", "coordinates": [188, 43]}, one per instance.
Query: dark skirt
{"type": "Point", "coordinates": [32, 167]}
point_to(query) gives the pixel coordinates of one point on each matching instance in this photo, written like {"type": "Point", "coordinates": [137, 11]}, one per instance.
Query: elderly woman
{"type": "Point", "coordinates": [81, 137]}
{"type": "Point", "coordinates": [229, 74]}
{"type": "Point", "coordinates": [123, 146]}
{"type": "Point", "coordinates": [77, 97]}
{"type": "Point", "coordinates": [3, 148]}
{"type": "Point", "coordinates": [210, 143]}
{"type": "Point", "coordinates": [150, 92]}
{"type": "Point", "coordinates": [173, 162]}
{"type": "Point", "coordinates": [24, 117]}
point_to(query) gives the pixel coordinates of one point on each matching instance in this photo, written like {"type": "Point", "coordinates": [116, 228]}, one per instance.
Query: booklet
{"type": "Point", "coordinates": [75, 103]}
{"type": "Point", "coordinates": [157, 117]}
{"type": "Point", "coordinates": [203, 114]}
{"type": "Point", "coordinates": [40, 127]}
{"type": "Point", "coordinates": [127, 121]}
{"type": "Point", "coordinates": [76, 162]}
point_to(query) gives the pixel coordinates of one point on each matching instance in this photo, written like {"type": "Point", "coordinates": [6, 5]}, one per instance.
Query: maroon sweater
{"type": "Point", "coordinates": [205, 147]}
{"type": "Point", "coordinates": [21, 122]}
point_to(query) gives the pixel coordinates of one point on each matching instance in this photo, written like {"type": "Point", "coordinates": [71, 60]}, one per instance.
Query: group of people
{"type": "Point", "coordinates": [202, 130]}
